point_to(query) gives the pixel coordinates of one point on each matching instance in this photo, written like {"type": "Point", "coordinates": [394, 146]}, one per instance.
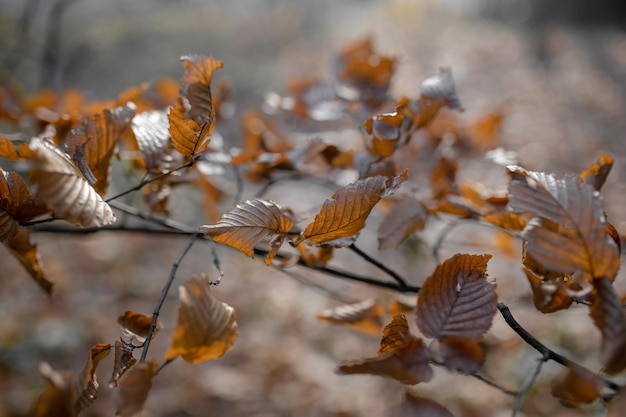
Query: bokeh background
{"type": "Point", "coordinates": [557, 69]}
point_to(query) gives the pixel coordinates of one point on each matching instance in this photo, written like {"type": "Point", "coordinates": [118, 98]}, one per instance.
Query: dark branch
{"type": "Point", "coordinates": [379, 265]}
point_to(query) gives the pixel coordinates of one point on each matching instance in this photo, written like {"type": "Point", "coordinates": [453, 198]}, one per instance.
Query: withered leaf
{"type": "Point", "coordinates": [93, 142]}
{"type": "Point", "coordinates": [409, 364]}
{"type": "Point", "coordinates": [441, 87]}
{"type": "Point", "coordinates": [365, 315]}
{"type": "Point", "coordinates": [124, 359]}
{"type": "Point", "coordinates": [384, 131]}
{"type": "Point", "coordinates": [26, 253]}
{"type": "Point", "coordinates": [443, 178]}
{"type": "Point", "coordinates": [250, 222]}
{"type": "Point", "coordinates": [206, 327]}
{"type": "Point", "coordinates": [608, 316]}
{"type": "Point", "coordinates": [197, 87]}
{"type": "Point", "coordinates": [484, 131]}
{"type": "Point", "coordinates": [135, 326]}
{"type": "Point", "coordinates": [407, 216]}
{"type": "Point", "coordinates": [414, 406]}
{"type": "Point", "coordinates": [7, 149]}
{"type": "Point", "coordinates": [576, 385]}
{"type": "Point", "coordinates": [316, 258]}
{"type": "Point", "coordinates": [151, 131]}
{"type": "Point", "coordinates": [570, 231]}
{"type": "Point", "coordinates": [457, 299]}
{"type": "Point", "coordinates": [396, 335]}
{"type": "Point", "coordinates": [64, 190]}
{"type": "Point", "coordinates": [548, 295]}
{"type": "Point", "coordinates": [134, 388]}
{"type": "Point", "coordinates": [344, 216]}
{"type": "Point", "coordinates": [86, 386]}
{"type": "Point", "coordinates": [57, 400]}
{"type": "Point", "coordinates": [188, 137]}
{"type": "Point", "coordinates": [462, 355]}
{"type": "Point", "coordinates": [363, 67]}
{"type": "Point", "coordinates": [596, 174]}
{"type": "Point", "coordinates": [506, 220]}
{"type": "Point", "coordinates": [16, 204]}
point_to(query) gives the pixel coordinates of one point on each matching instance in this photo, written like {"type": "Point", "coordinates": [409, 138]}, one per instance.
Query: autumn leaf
{"type": "Point", "coordinates": [93, 143]}
{"type": "Point", "coordinates": [86, 386]}
{"type": "Point", "coordinates": [188, 137]}
{"type": "Point", "coordinates": [608, 316]}
{"type": "Point", "coordinates": [16, 204]}
{"type": "Point", "coordinates": [569, 232]}
{"type": "Point", "coordinates": [7, 149]}
{"type": "Point", "coordinates": [341, 218]}
{"type": "Point", "coordinates": [441, 87]}
{"type": "Point", "coordinates": [123, 361]}
{"type": "Point", "coordinates": [548, 295]}
{"type": "Point", "coordinates": [596, 174]}
{"type": "Point", "coordinates": [407, 216]}
{"type": "Point", "coordinates": [385, 131]}
{"type": "Point", "coordinates": [462, 355]}
{"type": "Point", "coordinates": [134, 388]}
{"type": "Point", "coordinates": [457, 299]}
{"type": "Point", "coordinates": [576, 385]}
{"type": "Point", "coordinates": [197, 87]}
{"type": "Point", "coordinates": [506, 220]}
{"type": "Point", "coordinates": [396, 335]}
{"type": "Point", "coordinates": [247, 224]}
{"type": "Point", "coordinates": [365, 315]}
{"type": "Point", "coordinates": [206, 327]}
{"type": "Point", "coordinates": [315, 256]}
{"type": "Point", "coordinates": [136, 326]}
{"type": "Point", "coordinates": [57, 400]}
{"type": "Point", "coordinates": [26, 253]}
{"type": "Point", "coordinates": [361, 66]}
{"type": "Point", "coordinates": [414, 406]}
{"type": "Point", "coordinates": [151, 131]}
{"type": "Point", "coordinates": [64, 190]}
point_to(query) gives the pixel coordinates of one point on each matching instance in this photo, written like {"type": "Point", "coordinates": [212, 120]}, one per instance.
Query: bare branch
{"type": "Point", "coordinates": [379, 265]}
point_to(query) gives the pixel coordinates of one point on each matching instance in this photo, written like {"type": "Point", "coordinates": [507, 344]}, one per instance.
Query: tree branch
{"type": "Point", "coordinates": [379, 265]}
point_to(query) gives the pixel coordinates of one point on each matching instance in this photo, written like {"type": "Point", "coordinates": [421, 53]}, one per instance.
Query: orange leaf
{"type": "Point", "coordinates": [188, 137]}
{"type": "Point", "coordinates": [133, 390]}
{"type": "Point", "coordinates": [596, 174]}
{"type": "Point", "coordinates": [135, 326]}
{"type": "Point", "coordinates": [341, 218]}
{"type": "Point", "coordinates": [484, 131]}
{"type": "Point", "coordinates": [608, 316]}
{"type": "Point", "coordinates": [576, 385]}
{"type": "Point", "coordinates": [361, 66]}
{"type": "Point", "coordinates": [16, 204]}
{"type": "Point", "coordinates": [7, 149]}
{"type": "Point", "coordinates": [414, 406]}
{"type": "Point", "coordinates": [457, 300]}
{"type": "Point", "coordinates": [462, 355]}
{"type": "Point", "coordinates": [197, 87]}
{"type": "Point", "coordinates": [384, 131]}
{"type": "Point", "coordinates": [206, 327]}
{"type": "Point", "coordinates": [123, 361]}
{"type": "Point", "coordinates": [86, 387]}
{"type": "Point", "coordinates": [407, 216]}
{"type": "Point", "coordinates": [26, 253]}
{"type": "Point", "coordinates": [245, 225]}
{"type": "Point", "coordinates": [320, 256]}
{"type": "Point", "coordinates": [64, 190]}
{"type": "Point", "coordinates": [506, 220]}
{"type": "Point", "coordinates": [569, 232]}
{"type": "Point", "coordinates": [548, 295]}
{"type": "Point", "coordinates": [396, 335]}
{"type": "Point", "coordinates": [57, 400]}
{"type": "Point", "coordinates": [365, 315]}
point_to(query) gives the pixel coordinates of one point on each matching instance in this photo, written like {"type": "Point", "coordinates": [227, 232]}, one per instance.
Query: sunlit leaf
{"type": "Point", "coordinates": [384, 131]}
{"type": "Point", "coordinates": [197, 87]}
{"type": "Point", "coordinates": [407, 216]}
{"type": "Point", "coordinates": [206, 327]}
{"type": "Point", "coordinates": [86, 386]}
{"type": "Point", "coordinates": [248, 223]}
{"type": "Point", "coordinates": [462, 355]}
{"type": "Point", "coordinates": [57, 399]}
{"type": "Point", "coordinates": [26, 253]}
{"type": "Point", "coordinates": [64, 190]}
{"type": "Point", "coordinates": [134, 388]}
{"type": "Point", "coordinates": [151, 131]}
{"type": "Point", "coordinates": [136, 326]}
{"type": "Point", "coordinates": [506, 220]}
{"type": "Point", "coordinates": [396, 335]}
{"type": "Point", "coordinates": [457, 299]}
{"type": "Point", "coordinates": [93, 143]}
{"type": "Point", "coordinates": [608, 316]}
{"type": "Point", "coordinates": [576, 385]}
{"type": "Point", "coordinates": [570, 231]}
{"type": "Point", "coordinates": [365, 315]}
{"type": "Point", "coordinates": [345, 215]}
{"type": "Point", "coordinates": [548, 295]}
{"type": "Point", "coordinates": [188, 137]}
{"type": "Point", "coordinates": [414, 406]}
{"type": "Point", "coordinates": [16, 204]}
{"type": "Point", "coordinates": [596, 174]}
{"type": "Point", "coordinates": [124, 359]}
{"type": "Point", "coordinates": [7, 149]}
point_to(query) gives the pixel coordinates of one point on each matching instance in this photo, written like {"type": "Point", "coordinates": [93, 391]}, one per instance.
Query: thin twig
{"type": "Point", "coordinates": [493, 384]}
{"type": "Point", "coordinates": [441, 237]}
{"type": "Point", "coordinates": [541, 348]}
{"type": "Point", "coordinates": [165, 291]}
{"type": "Point", "coordinates": [169, 223]}
{"type": "Point", "coordinates": [527, 385]}
{"type": "Point", "coordinates": [378, 265]}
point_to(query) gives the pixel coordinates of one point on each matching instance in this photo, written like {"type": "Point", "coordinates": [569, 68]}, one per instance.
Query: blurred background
{"type": "Point", "coordinates": [556, 69]}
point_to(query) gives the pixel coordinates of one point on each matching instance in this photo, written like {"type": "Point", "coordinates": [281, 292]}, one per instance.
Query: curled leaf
{"type": "Point", "coordinates": [197, 87]}
{"type": "Point", "coordinates": [596, 174]}
{"type": "Point", "coordinates": [64, 190]}
{"type": "Point", "coordinates": [124, 359]}
{"type": "Point", "coordinates": [206, 327]}
{"type": "Point", "coordinates": [441, 87]}
{"type": "Point", "coordinates": [247, 224]}
{"type": "Point", "coordinates": [365, 315]}
{"type": "Point", "coordinates": [86, 387]}
{"type": "Point", "coordinates": [135, 326]}
{"type": "Point", "coordinates": [608, 316]}
{"type": "Point", "coordinates": [16, 204]}
{"type": "Point", "coordinates": [549, 295]}
{"type": "Point", "coordinates": [457, 299]}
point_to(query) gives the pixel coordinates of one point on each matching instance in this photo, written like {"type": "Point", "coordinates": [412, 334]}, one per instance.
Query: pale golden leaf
{"type": "Point", "coordinates": [64, 190]}
{"type": "Point", "coordinates": [206, 328]}
{"type": "Point", "coordinates": [596, 174]}
{"type": "Point", "coordinates": [365, 315]}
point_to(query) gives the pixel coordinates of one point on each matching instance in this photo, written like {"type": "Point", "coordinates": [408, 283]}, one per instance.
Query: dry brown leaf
{"type": "Point", "coordinates": [443, 178]}
{"type": "Point", "coordinates": [135, 326]}
{"type": "Point", "coordinates": [414, 406]}
{"type": "Point", "coordinates": [596, 174]}
{"type": "Point", "coordinates": [26, 253]}
{"type": "Point", "coordinates": [64, 190]}
{"type": "Point", "coordinates": [57, 400]}
{"type": "Point", "coordinates": [124, 359]}
{"type": "Point", "coordinates": [608, 315]}
{"type": "Point", "coordinates": [548, 295]}
{"type": "Point", "coordinates": [365, 315]}
{"type": "Point", "coordinates": [197, 87]}
{"type": "Point", "coordinates": [384, 131]}
{"type": "Point", "coordinates": [16, 204]}
{"type": "Point", "coordinates": [318, 257]}
{"type": "Point", "coordinates": [206, 327]}
{"type": "Point", "coordinates": [342, 218]}
{"type": "Point", "coordinates": [506, 220]}
{"type": "Point", "coordinates": [245, 225]}
{"type": "Point", "coordinates": [188, 137]}
{"type": "Point", "coordinates": [407, 216]}
{"type": "Point", "coordinates": [462, 355]}
{"type": "Point", "coordinates": [396, 335]}
{"type": "Point", "coordinates": [134, 388]}
{"type": "Point", "coordinates": [362, 67]}
{"type": "Point", "coordinates": [457, 299]}
{"type": "Point", "coordinates": [484, 131]}
{"type": "Point", "coordinates": [151, 131]}
{"type": "Point", "coordinates": [7, 149]}
{"type": "Point", "coordinates": [86, 386]}
{"type": "Point", "coordinates": [576, 385]}
{"type": "Point", "coordinates": [569, 232]}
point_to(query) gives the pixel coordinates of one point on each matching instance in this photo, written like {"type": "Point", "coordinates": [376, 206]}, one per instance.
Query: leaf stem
{"type": "Point", "coordinates": [165, 291]}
